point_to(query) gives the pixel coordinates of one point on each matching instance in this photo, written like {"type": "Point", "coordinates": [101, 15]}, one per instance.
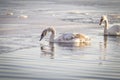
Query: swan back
{"type": "Point", "coordinates": [72, 37]}
{"type": "Point", "coordinates": [67, 38]}
{"type": "Point", "coordinates": [114, 30]}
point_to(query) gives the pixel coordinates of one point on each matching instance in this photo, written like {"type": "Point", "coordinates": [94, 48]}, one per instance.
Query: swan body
{"type": "Point", "coordinates": [113, 31]}
{"type": "Point", "coordinates": [66, 37]}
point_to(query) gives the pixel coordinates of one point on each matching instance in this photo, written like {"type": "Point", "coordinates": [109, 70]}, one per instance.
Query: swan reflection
{"type": "Point", "coordinates": [79, 44]}
{"type": "Point", "coordinates": [105, 42]}
{"type": "Point", "coordinates": [103, 45]}
{"type": "Point", "coordinates": [47, 50]}
{"type": "Point", "coordinates": [73, 46]}
{"type": "Point", "coordinates": [103, 49]}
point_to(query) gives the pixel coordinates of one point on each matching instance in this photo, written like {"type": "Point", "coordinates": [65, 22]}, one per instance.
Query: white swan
{"type": "Point", "coordinates": [66, 37]}
{"type": "Point", "coordinates": [113, 31]}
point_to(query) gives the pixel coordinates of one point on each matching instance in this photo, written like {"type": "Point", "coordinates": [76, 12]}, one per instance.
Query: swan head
{"type": "Point", "coordinates": [103, 18]}
{"type": "Point", "coordinates": [43, 34]}
{"type": "Point", "coordinates": [50, 29]}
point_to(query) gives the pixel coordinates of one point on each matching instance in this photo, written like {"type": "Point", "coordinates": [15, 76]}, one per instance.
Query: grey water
{"type": "Point", "coordinates": [24, 57]}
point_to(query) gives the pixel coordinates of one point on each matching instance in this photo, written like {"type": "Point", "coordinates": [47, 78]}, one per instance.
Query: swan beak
{"type": "Point", "coordinates": [43, 34]}
{"type": "Point", "coordinates": [100, 22]}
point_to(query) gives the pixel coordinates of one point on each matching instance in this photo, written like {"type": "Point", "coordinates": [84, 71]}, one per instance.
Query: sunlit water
{"type": "Point", "coordinates": [23, 56]}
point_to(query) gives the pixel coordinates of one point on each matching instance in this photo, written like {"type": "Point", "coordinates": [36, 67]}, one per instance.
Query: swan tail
{"type": "Point", "coordinates": [82, 37]}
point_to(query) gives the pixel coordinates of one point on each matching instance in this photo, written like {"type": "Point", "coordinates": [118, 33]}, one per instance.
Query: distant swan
{"type": "Point", "coordinates": [66, 37]}
{"type": "Point", "coordinates": [113, 31]}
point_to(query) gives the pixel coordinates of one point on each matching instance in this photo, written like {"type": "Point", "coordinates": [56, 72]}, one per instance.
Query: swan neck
{"type": "Point", "coordinates": [52, 36]}
{"type": "Point", "coordinates": [106, 27]}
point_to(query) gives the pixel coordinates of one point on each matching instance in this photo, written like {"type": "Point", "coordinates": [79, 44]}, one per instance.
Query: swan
{"type": "Point", "coordinates": [112, 31]}
{"type": "Point", "coordinates": [65, 37]}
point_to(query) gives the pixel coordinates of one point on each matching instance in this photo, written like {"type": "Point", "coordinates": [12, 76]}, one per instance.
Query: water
{"type": "Point", "coordinates": [23, 56]}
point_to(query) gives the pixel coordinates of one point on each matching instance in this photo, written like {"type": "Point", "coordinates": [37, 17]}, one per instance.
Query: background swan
{"type": "Point", "coordinates": [114, 30]}
{"type": "Point", "coordinates": [66, 37]}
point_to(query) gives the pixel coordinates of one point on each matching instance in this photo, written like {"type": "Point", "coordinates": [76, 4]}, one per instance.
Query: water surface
{"type": "Point", "coordinates": [23, 56]}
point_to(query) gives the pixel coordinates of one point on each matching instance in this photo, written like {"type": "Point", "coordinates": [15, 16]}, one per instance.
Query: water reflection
{"type": "Point", "coordinates": [103, 45]}
{"type": "Point", "coordinates": [47, 50]}
{"type": "Point", "coordinates": [73, 47]}
{"type": "Point", "coordinates": [80, 45]}
{"type": "Point", "coordinates": [103, 49]}
{"type": "Point", "coordinates": [105, 42]}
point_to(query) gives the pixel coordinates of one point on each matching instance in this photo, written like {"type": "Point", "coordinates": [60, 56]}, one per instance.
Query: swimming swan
{"type": "Point", "coordinates": [66, 37]}
{"type": "Point", "coordinates": [113, 31]}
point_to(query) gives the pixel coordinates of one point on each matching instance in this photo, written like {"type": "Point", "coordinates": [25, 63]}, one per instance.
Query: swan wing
{"type": "Point", "coordinates": [72, 37]}
{"type": "Point", "coordinates": [82, 37]}
{"type": "Point", "coordinates": [114, 30]}
{"type": "Point", "coordinates": [65, 37]}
